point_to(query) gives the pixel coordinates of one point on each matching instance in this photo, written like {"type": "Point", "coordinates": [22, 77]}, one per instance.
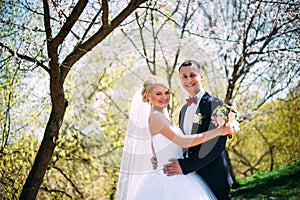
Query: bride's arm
{"type": "Point", "coordinates": [172, 133]}
{"type": "Point", "coordinates": [159, 124]}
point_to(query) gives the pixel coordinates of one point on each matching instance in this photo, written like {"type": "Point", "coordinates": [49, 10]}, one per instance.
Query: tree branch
{"type": "Point", "coordinates": [105, 13]}
{"type": "Point", "coordinates": [25, 57]}
{"type": "Point", "coordinates": [71, 20]}
{"type": "Point", "coordinates": [100, 35]}
{"type": "Point", "coordinates": [47, 23]}
{"type": "Point", "coordinates": [69, 180]}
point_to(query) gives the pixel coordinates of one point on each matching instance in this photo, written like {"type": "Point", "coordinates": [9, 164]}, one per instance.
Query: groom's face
{"type": "Point", "coordinates": [190, 79]}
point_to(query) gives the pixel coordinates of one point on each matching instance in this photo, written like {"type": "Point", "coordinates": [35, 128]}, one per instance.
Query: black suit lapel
{"type": "Point", "coordinates": [202, 102]}
{"type": "Point", "coordinates": [181, 120]}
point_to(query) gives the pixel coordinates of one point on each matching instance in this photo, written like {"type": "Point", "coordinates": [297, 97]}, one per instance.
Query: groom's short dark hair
{"type": "Point", "coordinates": [191, 63]}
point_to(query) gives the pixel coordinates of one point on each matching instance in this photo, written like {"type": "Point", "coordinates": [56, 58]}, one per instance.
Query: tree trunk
{"type": "Point", "coordinates": [228, 100]}
{"type": "Point", "coordinates": [235, 184]}
{"type": "Point", "coordinates": [57, 77]}
{"type": "Point", "coordinates": [45, 152]}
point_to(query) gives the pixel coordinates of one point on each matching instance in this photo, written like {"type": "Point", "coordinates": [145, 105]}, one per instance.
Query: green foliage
{"type": "Point", "coordinates": [18, 146]}
{"type": "Point", "coordinates": [72, 169]}
{"type": "Point", "coordinates": [86, 159]}
{"type": "Point", "coordinates": [282, 183]}
{"type": "Point", "coordinates": [269, 140]}
{"type": "Point", "coordinates": [15, 163]}
{"type": "Point", "coordinates": [85, 164]}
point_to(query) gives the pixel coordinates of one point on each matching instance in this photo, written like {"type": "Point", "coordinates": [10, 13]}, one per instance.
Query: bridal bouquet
{"type": "Point", "coordinates": [226, 115]}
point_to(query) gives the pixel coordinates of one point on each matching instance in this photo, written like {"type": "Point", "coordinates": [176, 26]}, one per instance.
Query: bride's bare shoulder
{"type": "Point", "coordinates": [157, 120]}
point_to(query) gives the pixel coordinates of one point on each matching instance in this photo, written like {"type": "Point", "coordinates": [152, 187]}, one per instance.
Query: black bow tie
{"type": "Point", "coordinates": [191, 100]}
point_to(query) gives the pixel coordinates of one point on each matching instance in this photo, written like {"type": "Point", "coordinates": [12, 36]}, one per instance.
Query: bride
{"type": "Point", "coordinates": [150, 133]}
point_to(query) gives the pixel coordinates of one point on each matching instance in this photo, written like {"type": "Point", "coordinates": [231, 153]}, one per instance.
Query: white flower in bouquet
{"type": "Point", "coordinates": [226, 115]}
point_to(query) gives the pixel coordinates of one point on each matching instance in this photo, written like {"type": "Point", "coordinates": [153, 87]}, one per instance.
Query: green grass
{"type": "Point", "coordinates": [280, 184]}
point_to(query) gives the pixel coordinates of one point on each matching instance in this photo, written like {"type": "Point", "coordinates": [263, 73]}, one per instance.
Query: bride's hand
{"type": "Point", "coordinates": [226, 130]}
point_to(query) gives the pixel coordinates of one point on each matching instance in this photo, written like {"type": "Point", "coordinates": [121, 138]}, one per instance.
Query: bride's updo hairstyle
{"type": "Point", "coordinates": [148, 84]}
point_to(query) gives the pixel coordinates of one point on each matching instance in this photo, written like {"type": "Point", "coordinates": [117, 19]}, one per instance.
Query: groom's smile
{"type": "Point", "coordinates": [191, 80]}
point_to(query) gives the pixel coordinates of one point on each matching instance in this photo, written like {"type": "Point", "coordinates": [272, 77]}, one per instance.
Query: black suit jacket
{"type": "Point", "coordinates": [207, 159]}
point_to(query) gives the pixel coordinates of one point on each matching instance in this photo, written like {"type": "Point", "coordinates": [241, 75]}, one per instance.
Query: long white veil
{"type": "Point", "coordinates": [137, 153]}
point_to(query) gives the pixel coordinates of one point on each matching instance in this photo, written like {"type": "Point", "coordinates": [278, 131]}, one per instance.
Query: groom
{"type": "Point", "coordinates": [207, 159]}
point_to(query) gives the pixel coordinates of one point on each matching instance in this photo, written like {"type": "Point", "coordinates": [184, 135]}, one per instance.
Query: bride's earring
{"type": "Point", "coordinates": [148, 99]}
{"type": "Point", "coordinates": [150, 102]}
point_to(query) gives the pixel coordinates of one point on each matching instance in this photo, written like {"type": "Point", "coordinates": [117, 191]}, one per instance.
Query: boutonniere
{"type": "Point", "coordinates": [197, 118]}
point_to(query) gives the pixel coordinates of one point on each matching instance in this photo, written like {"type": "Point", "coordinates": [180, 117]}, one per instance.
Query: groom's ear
{"type": "Point", "coordinates": [201, 76]}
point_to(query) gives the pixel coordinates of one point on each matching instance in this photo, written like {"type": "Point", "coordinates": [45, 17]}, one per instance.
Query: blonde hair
{"type": "Point", "coordinates": [150, 82]}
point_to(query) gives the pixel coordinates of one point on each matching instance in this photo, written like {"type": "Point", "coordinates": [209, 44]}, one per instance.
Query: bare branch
{"type": "Point", "coordinates": [71, 20]}
{"type": "Point", "coordinates": [25, 57]}
{"type": "Point", "coordinates": [145, 54]}
{"type": "Point", "coordinates": [47, 23]}
{"type": "Point", "coordinates": [281, 2]}
{"type": "Point", "coordinates": [105, 13]}
{"type": "Point", "coordinates": [85, 47]}
{"type": "Point", "coordinates": [69, 180]}
{"type": "Point", "coordinates": [56, 191]}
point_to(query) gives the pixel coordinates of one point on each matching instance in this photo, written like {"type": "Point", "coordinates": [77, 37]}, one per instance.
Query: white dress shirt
{"type": "Point", "coordinates": [189, 114]}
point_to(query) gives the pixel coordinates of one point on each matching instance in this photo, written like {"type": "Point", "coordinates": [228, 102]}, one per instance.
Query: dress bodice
{"type": "Point", "coordinates": [165, 150]}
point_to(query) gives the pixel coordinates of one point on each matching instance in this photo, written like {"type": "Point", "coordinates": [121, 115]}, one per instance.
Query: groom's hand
{"type": "Point", "coordinates": [154, 162]}
{"type": "Point", "coordinates": [172, 168]}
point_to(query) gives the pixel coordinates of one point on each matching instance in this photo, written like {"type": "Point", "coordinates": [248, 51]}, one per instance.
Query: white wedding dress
{"type": "Point", "coordinates": [158, 186]}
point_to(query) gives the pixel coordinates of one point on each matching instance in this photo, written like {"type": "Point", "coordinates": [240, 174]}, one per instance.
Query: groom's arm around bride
{"type": "Point", "coordinates": [208, 159]}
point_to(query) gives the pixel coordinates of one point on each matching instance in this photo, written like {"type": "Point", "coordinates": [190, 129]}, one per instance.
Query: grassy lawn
{"type": "Point", "coordinates": [283, 184]}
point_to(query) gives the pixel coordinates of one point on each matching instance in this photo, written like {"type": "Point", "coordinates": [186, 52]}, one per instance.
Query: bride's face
{"type": "Point", "coordinates": [159, 96]}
